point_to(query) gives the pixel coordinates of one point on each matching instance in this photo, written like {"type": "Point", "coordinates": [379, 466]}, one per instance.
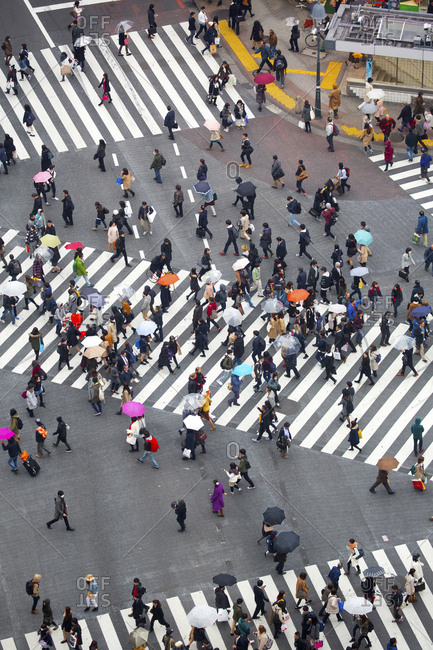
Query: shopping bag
{"type": "Point", "coordinates": [301, 124]}
{"type": "Point", "coordinates": [217, 40]}
{"type": "Point", "coordinates": [312, 113]}
{"type": "Point", "coordinates": [337, 355]}
{"type": "Point", "coordinates": [223, 616]}
{"type": "Point", "coordinates": [246, 119]}
{"type": "Point", "coordinates": [418, 484]}
{"type": "Point", "coordinates": [213, 48]}
{"type": "Point", "coordinates": [41, 347]}
{"type": "Point", "coordinates": [416, 238]}
{"type": "Point", "coordinates": [232, 80]}
{"type": "Point", "coordinates": [119, 181]}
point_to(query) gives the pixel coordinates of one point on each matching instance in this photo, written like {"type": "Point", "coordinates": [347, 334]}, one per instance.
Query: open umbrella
{"type": "Point", "coordinates": [83, 40]}
{"type": "Point", "coordinates": [337, 308]}
{"type": "Point", "coordinates": [246, 189]}
{"type": "Point", "coordinates": [240, 264]}
{"type": "Point", "coordinates": [419, 312]}
{"type": "Point", "coordinates": [368, 109]}
{"type": "Point", "coordinates": [359, 271]}
{"type": "Point", "coordinates": [272, 306]}
{"type": "Point", "coordinates": [124, 292]}
{"type": "Point", "coordinates": [286, 542]}
{"type": "Point", "coordinates": [193, 401]}
{"type": "Point", "coordinates": [6, 433]}
{"type": "Point", "coordinates": [403, 343]}
{"type": "Point", "coordinates": [212, 124]}
{"type": "Point", "coordinates": [387, 463]}
{"type": "Point", "coordinates": [146, 327]}
{"type": "Point", "coordinates": [123, 26]}
{"type": "Point", "coordinates": [138, 638]}
{"type": "Point", "coordinates": [374, 572]}
{"type": "Point", "coordinates": [133, 409]}
{"type": "Point", "coordinates": [212, 276]}
{"type": "Point", "coordinates": [45, 252]}
{"type": "Point", "coordinates": [232, 316]}
{"type": "Point", "coordinates": [357, 606]}
{"type": "Point", "coordinates": [376, 93]}
{"type": "Point", "coordinates": [242, 370]}
{"type": "Point", "coordinates": [298, 295]}
{"type": "Point", "coordinates": [41, 177]}
{"type": "Point", "coordinates": [202, 616]}
{"type": "Point", "coordinates": [264, 78]}
{"type": "Point", "coordinates": [50, 240]}
{"type": "Point", "coordinates": [74, 245]}
{"type": "Point", "coordinates": [287, 343]}
{"type": "Point", "coordinates": [363, 237]}
{"type": "Point", "coordinates": [201, 187]}
{"type": "Point", "coordinates": [94, 352]}
{"type": "Point", "coordinates": [85, 292]}
{"type": "Point", "coordinates": [193, 422]}
{"type": "Point", "coordinates": [91, 341]}
{"type": "Point", "coordinates": [274, 515]}
{"type": "Point", "coordinates": [168, 278]}
{"type": "Point", "coordinates": [224, 580]}
{"type": "Point", "coordinates": [14, 288]}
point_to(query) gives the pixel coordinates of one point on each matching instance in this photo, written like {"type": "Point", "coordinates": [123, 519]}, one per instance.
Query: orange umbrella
{"type": "Point", "coordinates": [168, 278]}
{"type": "Point", "coordinates": [298, 295]}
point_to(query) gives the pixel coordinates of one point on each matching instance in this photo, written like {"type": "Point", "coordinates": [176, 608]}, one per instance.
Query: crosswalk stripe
{"type": "Point", "coordinates": [85, 633]}
{"type": "Point", "coordinates": [409, 612]}
{"type": "Point", "coordinates": [110, 634]}
{"type": "Point", "coordinates": [56, 105]}
{"type": "Point", "coordinates": [16, 107]}
{"type": "Point", "coordinates": [68, 88]}
{"type": "Point", "coordinates": [399, 164]}
{"type": "Point", "coordinates": [412, 184]}
{"type": "Point", "coordinates": [94, 98]}
{"type": "Point", "coordinates": [8, 644]}
{"type": "Point", "coordinates": [117, 103]}
{"type": "Point", "coordinates": [7, 127]}
{"type": "Point", "coordinates": [179, 615]}
{"type": "Point", "coordinates": [406, 174]}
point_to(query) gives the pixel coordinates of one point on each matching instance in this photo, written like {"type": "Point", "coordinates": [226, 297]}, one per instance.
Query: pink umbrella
{"type": "Point", "coordinates": [264, 78]}
{"type": "Point", "coordinates": [133, 409]}
{"type": "Point", "coordinates": [5, 434]}
{"type": "Point", "coordinates": [41, 177]}
{"type": "Point", "coordinates": [73, 245]}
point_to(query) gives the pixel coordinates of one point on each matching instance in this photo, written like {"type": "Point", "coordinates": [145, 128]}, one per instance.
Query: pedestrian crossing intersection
{"type": "Point", "coordinates": [111, 629]}
{"type": "Point", "coordinates": [385, 411]}
{"type": "Point", "coordinates": [407, 174]}
{"type": "Point", "coordinates": [165, 71]}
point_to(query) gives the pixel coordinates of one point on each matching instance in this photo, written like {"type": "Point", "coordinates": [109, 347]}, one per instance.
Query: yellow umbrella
{"type": "Point", "coordinates": [96, 351]}
{"type": "Point", "coordinates": [50, 240]}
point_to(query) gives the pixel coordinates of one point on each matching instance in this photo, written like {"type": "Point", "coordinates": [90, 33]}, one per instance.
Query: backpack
{"type": "Point", "coordinates": [163, 161]}
{"type": "Point", "coordinates": [347, 171]}
{"type": "Point", "coordinates": [321, 626]}
{"type": "Point", "coordinates": [235, 232]}
{"type": "Point", "coordinates": [29, 587]}
{"type": "Point", "coordinates": [370, 626]}
{"type": "Point", "coordinates": [19, 423]}
{"type": "Point", "coordinates": [279, 64]}
{"type": "Point", "coordinates": [378, 358]}
{"type": "Point", "coordinates": [247, 464]}
{"type": "Point", "coordinates": [218, 296]}
{"type": "Point", "coordinates": [15, 267]}
{"type": "Point", "coordinates": [297, 208]}
{"type": "Point", "coordinates": [272, 367]}
{"type": "Point", "coordinates": [335, 130]}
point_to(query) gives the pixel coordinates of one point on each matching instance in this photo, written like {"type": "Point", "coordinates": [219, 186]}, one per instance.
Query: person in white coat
{"type": "Point", "coordinates": [409, 585]}
{"type": "Point", "coordinates": [418, 566]}
{"type": "Point", "coordinates": [31, 400]}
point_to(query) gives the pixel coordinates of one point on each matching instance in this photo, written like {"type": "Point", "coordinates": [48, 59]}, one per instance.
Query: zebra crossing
{"type": "Point", "coordinates": [407, 174]}
{"type": "Point", "coordinates": [167, 71]}
{"type": "Point", "coordinates": [384, 415]}
{"type": "Point", "coordinates": [111, 629]}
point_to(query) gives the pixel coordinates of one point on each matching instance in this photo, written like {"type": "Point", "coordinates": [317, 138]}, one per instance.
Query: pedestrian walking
{"type": "Point", "coordinates": [234, 478]}
{"type": "Point", "coordinates": [260, 91]}
{"type": "Point", "coordinates": [179, 508]}
{"type": "Point", "coordinates": [41, 434]}
{"type": "Point", "coordinates": [60, 511]}
{"type": "Point", "coordinates": [192, 27]}
{"type": "Point", "coordinates": [240, 114]}
{"type": "Point", "coordinates": [277, 172]}
{"type": "Point", "coordinates": [100, 155]}
{"type": "Point", "coordinates": [365, 369]}
{"type": "Point", "coordinates": [388, 155]}
{"type": "Point", "coordinates": [330, 132]}
{"type": "Point", "coordinates": [120, 246]}
{"type": "Point", "coordinates": [34, 593]}
{"type": "Point", "coordinates": [354, 435]}
{"type": "Point", "coordinates": [279, 66]}
{"type": "Point", "coordinates": [407, 363]}
{"type": "Point", "coordinates": [28, 119]}
{"type": "Point", "coordinates": [386, 125]}
{"type": "Point", "coordinates": [417, 433]}
{"type": "Point", "coordinates": [7, 49]}
{"type": "Point", "coordinates": [332, 607]}
{"type": "Point", "coordinates": [367, 137]}
{"type": "Point", "coordinates": [301, 175]}
{"type": "Point", "coordinates": [79, 268]}
{"type": "Point", "coordinates": [11, 81]}
{"type": "Point", "coordinates": [215, 138]}
{"type": "Point", "coordinates": [304, 241]}
{"type": "Point", "coordinates": [265, 54]}
{"type": "Point", "coordinates": [61, 433]}
{"type": "Point", "coordinates": [306, 115]}
{"type": "Point", "coordinates": [157, 164]}
{"type": "Point", "coordinates": [232, 235]}
{"type": "Point", "coordinates": [170, 122]}
{"type": "Point", "coordinates": [246, 151]}
{"type": "Point", "coordinates": [302, 591]}
{"type": "Point", "coordinates": [396, 602]}
{"type": "Point", "coordinates": [424, 162]}
{"type": "Point", "coordinates": [279, 609]}
{"type": "Point", "coordinates": [284, 440]}
{"type": "Point", "coordinates": [151, 446]}
{"type": "Point", "coordinates": [364, 625]}
{"type": "Point", "coordinates": [13, 448]}
{"type": "Point", "coordinates": [127, 179]}
{"type": "Point", "coordinates": [334, 100]}
{"type": "Point", "coordinates": [157, 615]}
{"type": "Point", "coordinates": [151, 15]}
{"type": "Point", "coordinates": [178, 200]}
{"type": "Point", "coordinates": [123, 42]}
{"type": "Point", "coordinates": [209, 38]}
{"type": "Point", "coordinates": [382, 479]}
{"type": "Point", "coordinates": [202, 21]}
{"type": "Point", "coordinates": [329, 215]}
{"type": "Point", "coordinates": [217, 498]}
{"type": "Point", "coordinates": [244, 466]}
{"type": "Point", "coordinates": [68, 209]}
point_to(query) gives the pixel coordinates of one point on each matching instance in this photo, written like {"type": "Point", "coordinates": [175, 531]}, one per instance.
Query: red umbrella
{"type": "Point", "coordinates": [73, 245]}
{"type": "Point", "coordinates": [264, 78]}
{"type": "Point", "coordinates": [168, 278]}
{"type": "Point", "coordinates": [298, 295]}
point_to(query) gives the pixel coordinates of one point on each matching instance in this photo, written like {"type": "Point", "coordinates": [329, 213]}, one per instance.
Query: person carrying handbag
{"type": "Point", "coordinates": [301, 175]}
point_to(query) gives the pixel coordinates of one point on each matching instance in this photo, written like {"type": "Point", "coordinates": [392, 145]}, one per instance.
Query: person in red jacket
{"type": "Point", "coordinates": [330, 219]}
{"type": "Point", "coordinates": [150, 447]}
{"type": "Point", "coordinates": [388, 155]}
{"type": "Point", "coordinates": [386, 124]}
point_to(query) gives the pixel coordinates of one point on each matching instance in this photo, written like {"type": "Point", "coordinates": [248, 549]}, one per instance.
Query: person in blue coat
{"type": "Point", "coordinates": [335, 573]}
{"type": "Point", "coordinates": [236, 388]}
{"type": "Point", "coordinates": [422, 227]}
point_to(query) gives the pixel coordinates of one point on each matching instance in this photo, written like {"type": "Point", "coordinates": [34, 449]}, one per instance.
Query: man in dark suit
{"type": "Point", "coordinates": [170, 121]}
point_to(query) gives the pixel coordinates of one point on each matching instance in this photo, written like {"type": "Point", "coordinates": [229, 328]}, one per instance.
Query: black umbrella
{"type": "Point", "coordinates": [374, 572]}
{"type": "Point", "coordinates": [246, 189]}
{"type": "Point", "coordinates": [224, 580]}
{"type": "Point", "coordinates": [286, 542]}
{"type": "Point", "coordinates": [274, 515]}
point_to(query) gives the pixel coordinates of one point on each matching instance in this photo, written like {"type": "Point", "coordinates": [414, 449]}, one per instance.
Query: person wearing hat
{"type": "Point", "coordinates": [180, 645]}
{"type": "Point", "coordinates": [41, 434]}
{"type": "Point", "coordinates": [61, 432]}
{"type": "Point", "coordinates": [168, 640]}
{"type": "Point", "coordinates": [92, 593]}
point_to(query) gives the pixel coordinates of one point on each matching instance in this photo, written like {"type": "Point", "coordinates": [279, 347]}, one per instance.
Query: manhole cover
{"type": "Point", "coordinates": [308, 51]}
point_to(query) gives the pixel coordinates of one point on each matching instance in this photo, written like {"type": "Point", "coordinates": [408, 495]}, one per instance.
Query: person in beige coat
{"type": "Point", "coordinates": [273, 328]}
{"type": "Point", "coordinates": [332, 606]}
{"type": "Point", "coordinates": [112, 235]}
{"type": "Point", "coordinates": [112, 331]}
{"type": "Point", "coordinates": [127, 179]}
{"type": "Point", "coordinates": [335, 99]}
{"type": "Point", "coordinates": [409, 586]}
{"type": "Point", "coordinates": [35, 594]}
{"type": "Point", "coordinates": [364, 252]}
{"type": "Point", "coordinates": [262, 637]}
{"type": "Point", "coordinates": [245, 224]}
{"type": "Point", "coordinates": [367, 137]}
{"type": "Point", "coordinates": [209, 291]}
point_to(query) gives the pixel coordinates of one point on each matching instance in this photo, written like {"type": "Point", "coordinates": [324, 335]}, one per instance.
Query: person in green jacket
{"type": "Point", "coordinates": [237, 613]}
{"type": "Point", "coordinates": [417, 431]}
{"type": "Point", "coordinates": [244, 628]}
{"type": "Point", "coordinates": [79, 268]}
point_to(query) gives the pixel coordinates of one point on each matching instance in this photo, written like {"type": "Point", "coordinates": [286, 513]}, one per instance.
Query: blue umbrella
{"type": "Point", "coordinates": [243, 370]}
{"type": "Point", "coordinates": [363, 237]}
{"type": "Point", "coordinates": [202, 187]}
{"type": "Point", "coordinates": [419, 312]}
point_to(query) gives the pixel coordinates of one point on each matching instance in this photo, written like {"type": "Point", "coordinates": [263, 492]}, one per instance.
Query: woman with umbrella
{"type": "Point", "coordinates": [260, 95]}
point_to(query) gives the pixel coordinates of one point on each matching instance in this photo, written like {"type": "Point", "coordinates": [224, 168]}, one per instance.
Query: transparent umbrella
{"type": "Point", "coordinates": [123, 26]}
{"type": "Point", "coordinates": [403, 343]}
{"type": "Point", "coordinates": [146, 327]}
{"type": "Point", "coordinates": [124, 292]}
{"type": "Point", "coordinates": [91, 341]}
{"type": "Point", "coordinates": [193, 401]}
{"type": "Point", "coordinates": [212, 276]}
{"type": "Point", "coordinates": [272, 306]}
{"type": "Point", "coordinates": [287, 343]}
{"type": "Point", "coordinates": [202, 616]}
{"type": "Point", "coordinates": [45, 253]}
{"type": "Point", "coordinates": [240, 264]}
{"type": "Point", "coordinates": [357, 606]}
{"type": "Point", "coordinates": [376, 93]}
{"type": "Point", "coordinates": [232, 316]}
{"type": "Point", "coordinates": [83, 41]}
{"type": "Point", "coordinates": [359, 271]}
{"type": "Point", "coordinates": [368, 109]}
{"type": "Point", "coordinates": [193, 422]}
{"type": "Point", "coordinates": [337, 308]}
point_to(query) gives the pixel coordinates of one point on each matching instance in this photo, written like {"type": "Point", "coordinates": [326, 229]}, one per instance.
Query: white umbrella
{"type": "Point", "coordinates": [359, 271]}
{"type": "Point", "coordinates": [337, 308]}
{"type": "Point", "coordinates": [124, 291]}
{"type": "Point", "coordinates": [403, 343]}
{"type": "Point", "coordinates": [357, 606]}
{"type": "Point", "coordinates": [376, 93]}
{"type": "Point", "coordinates": [146, 327]}
{"type": "Point", "coordinates": [212, 276]}
{"type": "Point", "coordinates": [232, 316]}
{"type": "Point", "coordinates": [14, 288]}
{"type": "Point", "coordinates": [193, 401]}
{"type": "Point", "coordinates": [202, 616]}
{"type": "Point", "coordinates": [272, 306]}
{"type": "Point", "coordinates": [212, 124]}
{"type": "Point", "coordinates": [91, 341]}
{"type": "Point", "coordinates": [123, 26]}
{"type": "Point", "coordinates": [240, 264]}
{"type": "Point", "coordinates": [193, 422]}
{"type": "Point", "coordinates": [82, 41]}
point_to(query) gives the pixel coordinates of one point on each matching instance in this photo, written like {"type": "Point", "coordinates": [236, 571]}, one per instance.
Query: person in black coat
{"type": "Point", "coordinates": [202, 170]}
{"type": "Point", "coordinates": [120, 249]}
{"type": "Point", "coordinates": [137, 608]}
{"type": "Point", "coordinates": [258, 345]}
{"type": "Point", "coordinates": [260, 599]}
{"type": "Point", "coordinates": [12, 80]}
{"type": "Point", "coordinates": [405, 116]}
{"type": "Point", "coordinates": [301, 280]}
{"type": "Point", "coordinates": [170, 121]}
{"type": "Point", "coordinates": [13, 448]}
{"type": "Point", "coordinates": [68, 209]}
{"type": "Point", "coordinates": [157, 318]}
{"type": "Point", "coordinates": [151, 20]}
{"type": "Point", "coordinates": [180, 512]}
{"type": "Point", "coordinates": [166, 249]}
{"type": "Point", "coordinates": [328, 364]}
{"type": "Point", "coordinates": [165, 298]}
{"type": "Point", "coordinates": [365, 369]}
{"type": "Point", "coordinates": [157, 264]}
{"type": "Point", "coordinates": [203, 220]}
{"type": "Point", "coordinates": [407, 362]}
{"type": "Point", "coordinates": [76, 629]}
{"type": "Point", "coordinates": [100, 155]}
{"type": "Point", "coordinates": [192, 28]}
{"type": "Point", "coordinates": [62, 434]}
{"type": "Point", "coordinates": [157, 615]}
{"type": "Point", "coordinates": [205, 263]}
{"type": "Point", "coordinates": [122, 38]}
{"type": "Point", "coordinates": [221, 600]}
{"type": "Point", "coordinates": [238, 350]}
{"type": "Point", "coordinates": [46, 157]}
{"type": "Point", "coordinates": [281, 250]}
